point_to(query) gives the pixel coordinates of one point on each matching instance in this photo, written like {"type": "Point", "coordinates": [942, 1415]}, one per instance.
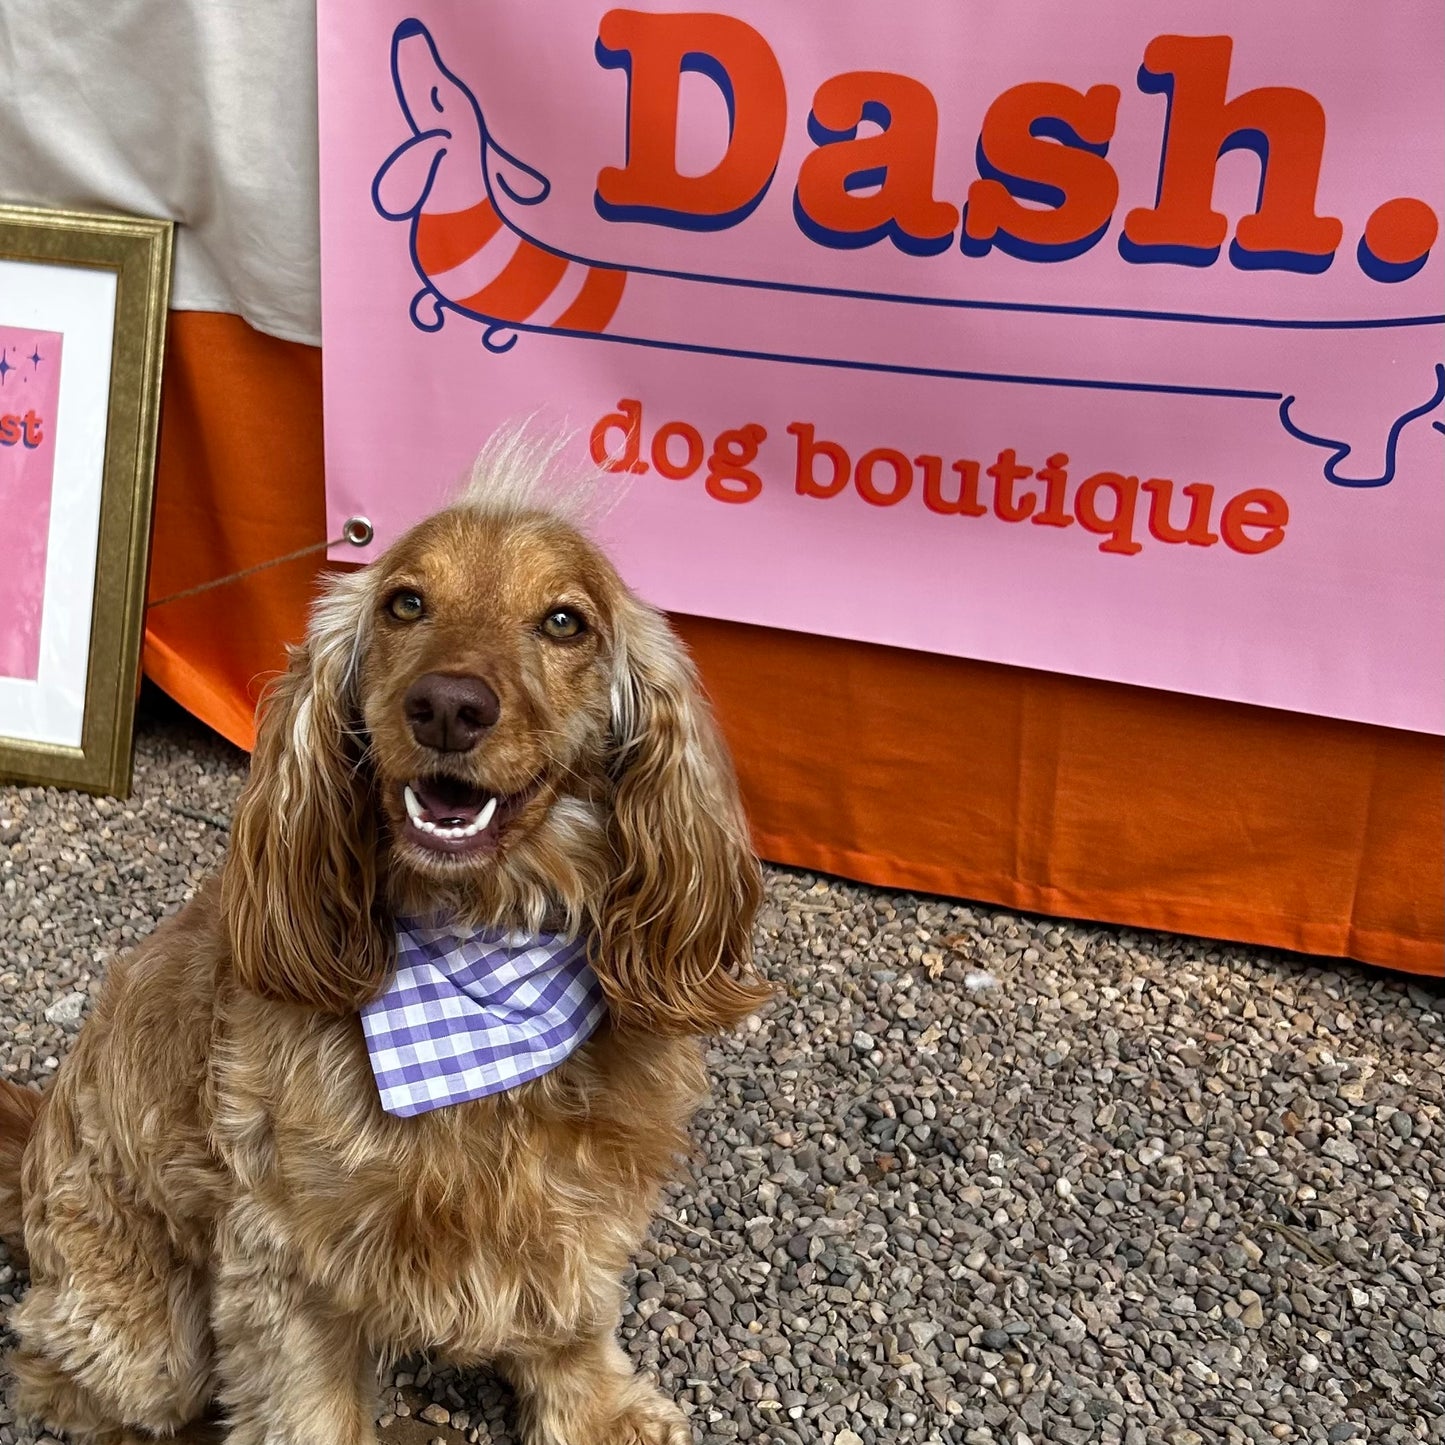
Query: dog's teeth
{"type": "Point", "coordinates": [453, 829]}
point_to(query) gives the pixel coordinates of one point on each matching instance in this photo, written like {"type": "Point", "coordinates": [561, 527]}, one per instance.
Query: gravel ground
{"type": "Point", "coordinates": [976, 1178]}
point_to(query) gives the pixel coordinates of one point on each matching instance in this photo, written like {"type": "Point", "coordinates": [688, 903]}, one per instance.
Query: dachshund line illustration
{"type": "Point", "coordinates": [468, 202]}
{"type": "Point", "coordinates": [1340, 450]}
{"type": "Point", "coordinates": [445, 180]}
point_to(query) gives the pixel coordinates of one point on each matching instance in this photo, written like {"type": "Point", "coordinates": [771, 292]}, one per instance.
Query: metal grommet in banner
{"type": "Point", "coordinates": [358, 531]}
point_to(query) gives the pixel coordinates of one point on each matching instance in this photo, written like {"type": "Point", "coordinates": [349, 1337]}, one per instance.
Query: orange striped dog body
{"type": "Point", "coordinates": [476, 264]}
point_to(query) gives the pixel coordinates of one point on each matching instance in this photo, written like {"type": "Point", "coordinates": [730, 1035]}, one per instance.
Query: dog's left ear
{"type": "Point", "coordinates": [673, 946]}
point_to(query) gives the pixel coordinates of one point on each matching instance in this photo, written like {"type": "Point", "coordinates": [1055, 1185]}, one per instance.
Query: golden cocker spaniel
{"type": "Point", "coordinates": [486, 735]}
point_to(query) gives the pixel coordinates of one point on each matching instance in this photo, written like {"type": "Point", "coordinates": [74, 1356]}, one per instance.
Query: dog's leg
{"type": "Point", "coordinates": [589, 1394]}
{"type": "Point", "coordinates": [114, 1331]}
{"type": "Point", "coordinates": [50, 1396]}
{"type": "Point", "coordinates": [292, 1370]}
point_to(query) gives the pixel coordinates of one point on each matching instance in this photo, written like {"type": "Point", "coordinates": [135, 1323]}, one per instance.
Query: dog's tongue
{"type": "Point", "coordinates": [449, 801]}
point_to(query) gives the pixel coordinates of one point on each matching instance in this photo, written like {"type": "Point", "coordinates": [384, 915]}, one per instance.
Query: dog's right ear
{"type": "Point", "coordinates": [299, 890]}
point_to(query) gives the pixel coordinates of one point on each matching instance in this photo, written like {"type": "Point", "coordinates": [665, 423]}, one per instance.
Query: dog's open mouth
{"type": "Point", "coordinates": [449, 815]}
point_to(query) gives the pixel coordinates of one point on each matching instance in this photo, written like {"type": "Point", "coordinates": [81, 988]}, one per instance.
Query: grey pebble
{"type": "Point", "coordinates": [872, 1245]}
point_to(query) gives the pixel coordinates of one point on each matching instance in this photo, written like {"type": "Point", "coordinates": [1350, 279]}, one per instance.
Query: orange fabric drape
{"type": "Point", "coordinates": [238, 481]}
{"type": "Point", "coordinates": [1033, 790]}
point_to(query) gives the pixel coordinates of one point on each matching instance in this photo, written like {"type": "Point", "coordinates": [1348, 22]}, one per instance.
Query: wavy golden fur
{"type": "Point", "coordinates": [216, 1209]}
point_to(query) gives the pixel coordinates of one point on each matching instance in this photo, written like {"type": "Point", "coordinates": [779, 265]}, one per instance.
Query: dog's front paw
{"type": "Point", "coordinates": [591, 1396]}
{"type": "Point", "coordinates": [651, 1420]}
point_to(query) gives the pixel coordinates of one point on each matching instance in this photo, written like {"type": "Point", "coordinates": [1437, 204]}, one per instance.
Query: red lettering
{"type": "Point", "coordinates": [1005, 472]}
{"type": "Point", "coordinates": [1201, 499]}
{"type": "Point", "coordinates": [898, 160]}
{"type": "Point", "coordinates": [692, 440]}
{"type": "Point", "coordinates": [1257, 508]}
{"type": "Point", "coordinates": [1283, 126]}
{"type": "Point", "coordinates": [966, 504]}
{"type": "Point", "coordinates": [1043, 142]}
{"type": "Point", "coordinates": [1119, 526]}
{"type": "Point", "coordinates": [808, 452]}
{"type": "Point", "coordinates": [654, 51]}
{"type": "Point", "coordinates": [1055, 478]}
{"type": "Point", "coordinates": [902, 477]}
{"type": "Point", "coordinates": [729, 478]}
{"type": "Point", "coordinates": [628, 419]}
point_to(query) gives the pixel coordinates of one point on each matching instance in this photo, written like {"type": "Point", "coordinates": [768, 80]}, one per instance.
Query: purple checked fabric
{"type": "Point", "coordinates": [468, 1016]}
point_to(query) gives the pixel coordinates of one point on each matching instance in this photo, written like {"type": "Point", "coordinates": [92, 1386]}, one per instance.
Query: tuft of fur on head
{"type": "Point", "coordinates": [519, 472]}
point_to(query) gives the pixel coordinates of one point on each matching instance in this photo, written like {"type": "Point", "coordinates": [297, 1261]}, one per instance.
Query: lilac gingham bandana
{"type": "Point", "coordinates": [470, 1015]}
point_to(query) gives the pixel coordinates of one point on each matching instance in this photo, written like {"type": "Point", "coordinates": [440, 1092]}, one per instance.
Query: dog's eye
{"type": "Point", "coordinates": [563, 624]}
{"type": "Point", "coordinates": [406, 607]}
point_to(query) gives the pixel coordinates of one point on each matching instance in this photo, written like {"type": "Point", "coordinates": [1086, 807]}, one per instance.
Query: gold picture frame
{"type": "Point", "coordinates": [68, 720]}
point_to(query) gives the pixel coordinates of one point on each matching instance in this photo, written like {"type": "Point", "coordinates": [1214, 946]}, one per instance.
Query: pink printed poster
{"type": "Point", "coordinates": [1107, 340]}
{"type": "Point", "coordinates": [29, 391]}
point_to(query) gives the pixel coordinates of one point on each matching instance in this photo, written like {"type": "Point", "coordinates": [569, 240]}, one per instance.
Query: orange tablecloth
{"type": "Point", "coordinates": [1033, 790]}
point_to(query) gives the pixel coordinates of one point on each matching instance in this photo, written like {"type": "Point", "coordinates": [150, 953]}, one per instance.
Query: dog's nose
{"type": "Point", "coordinates": [449, 712]}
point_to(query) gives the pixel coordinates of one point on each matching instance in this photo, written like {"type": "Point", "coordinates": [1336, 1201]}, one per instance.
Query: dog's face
{"type": "Point", "coordinates": [487, 724]}
{"type": "Point", "coordinates": [485, 687]}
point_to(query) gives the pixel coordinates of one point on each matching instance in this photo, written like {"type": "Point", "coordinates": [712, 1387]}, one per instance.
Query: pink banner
{"type": "Point", "coordinates": [29, 391]}
{"type": "Point", "coordinates": [1106, 340]}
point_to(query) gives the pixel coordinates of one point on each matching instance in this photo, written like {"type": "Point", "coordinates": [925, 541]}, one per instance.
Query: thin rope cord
{"type": "Point", "coordinates": [246, 572]}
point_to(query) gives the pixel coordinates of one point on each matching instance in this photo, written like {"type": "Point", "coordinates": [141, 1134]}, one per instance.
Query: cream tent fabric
{"type": "Point", "coordinates": [203, 111]}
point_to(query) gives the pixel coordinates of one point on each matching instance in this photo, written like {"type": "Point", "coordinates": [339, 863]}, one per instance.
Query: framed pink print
{"type": "Point", "coordinates": [82, 322]}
